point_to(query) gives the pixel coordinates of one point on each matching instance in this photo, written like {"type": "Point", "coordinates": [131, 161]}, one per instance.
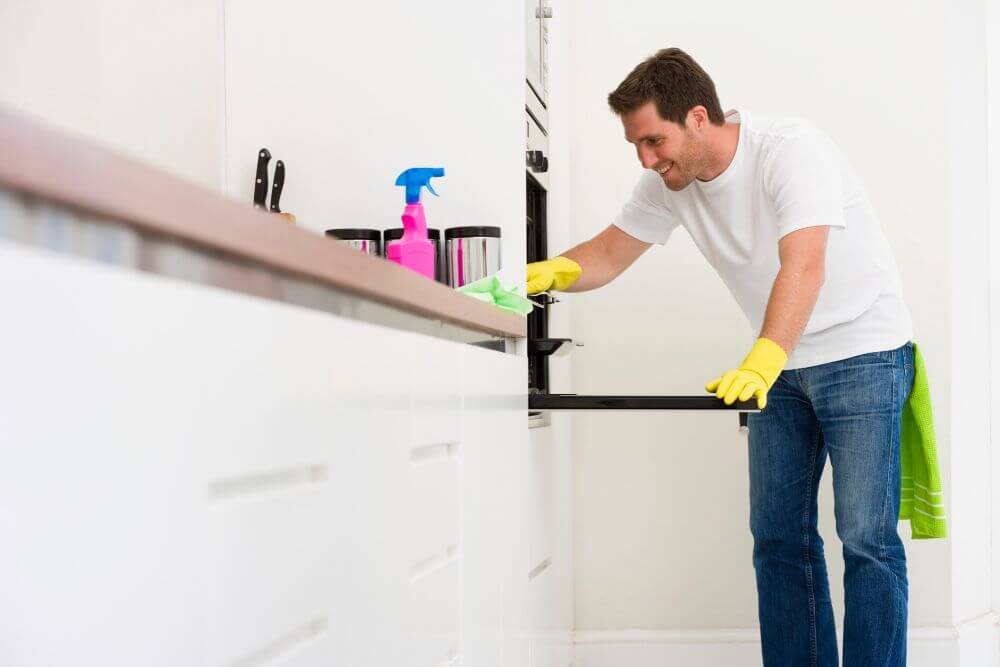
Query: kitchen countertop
{"type": "Point", "coordinates": [51, 166]}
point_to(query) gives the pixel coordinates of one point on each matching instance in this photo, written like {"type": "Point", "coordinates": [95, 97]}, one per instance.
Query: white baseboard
{"type": "Point", "coordinates": [979, 641]}
{"type": "Point", "coordinates": [971, 644]}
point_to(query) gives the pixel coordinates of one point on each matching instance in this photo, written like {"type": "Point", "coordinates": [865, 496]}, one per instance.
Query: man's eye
{"type": "Point", "coordinates": [654, 142]}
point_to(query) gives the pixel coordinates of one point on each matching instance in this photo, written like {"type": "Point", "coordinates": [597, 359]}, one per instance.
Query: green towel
{"type": "Point", "coordinates": [921, 497]}
{"type": "Point", "coordinates": [491, 290]}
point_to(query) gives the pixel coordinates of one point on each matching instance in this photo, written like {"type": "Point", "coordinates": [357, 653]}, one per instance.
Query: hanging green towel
{"type": "Point", "coordinates": [921, 497]}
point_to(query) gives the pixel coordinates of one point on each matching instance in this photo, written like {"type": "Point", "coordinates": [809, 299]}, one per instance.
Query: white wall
{"type": "Point", "coordinates": [993, 118]}
{"type": "Point", "coordinates": [968, 224]}
{"type": "Point", "coordinates": [668, 325]}
{"type": "Point", "coordinates": [348, 100]}
{"type": "Point", "coordinates": [142, 77]}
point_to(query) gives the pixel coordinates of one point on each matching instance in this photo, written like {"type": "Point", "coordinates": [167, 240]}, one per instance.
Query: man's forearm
{"type": "Point", "coordinates": [593, 259]}
{"type": "Point", "coordinates": [790, 305]}
{"type": "Point", "coordinates": [603, 258]}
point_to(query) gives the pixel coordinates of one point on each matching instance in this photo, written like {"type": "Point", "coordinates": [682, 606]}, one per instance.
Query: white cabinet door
{"type": "Point", "coordinates": [189, 477]}
{"type": "Point", "coordinates": [433, 498]}
{"type": "Point", "coordinates": [494, 613]}
{"type": "Point", "coordinates": [541, 564]}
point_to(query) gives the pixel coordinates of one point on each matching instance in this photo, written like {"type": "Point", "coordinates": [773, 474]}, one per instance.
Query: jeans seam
{"type": "Point", "coordinates": [888, 471]}
{"type": "Point", "coordinates": [885, 513]}
{"type": "Point", "coordinates": [813, 648]}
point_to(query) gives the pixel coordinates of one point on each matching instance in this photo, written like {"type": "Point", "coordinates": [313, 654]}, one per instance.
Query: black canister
{"type": "Point", "coordinates": [471, 253]}
{"type": "Point", "coordinates": [366, 240]}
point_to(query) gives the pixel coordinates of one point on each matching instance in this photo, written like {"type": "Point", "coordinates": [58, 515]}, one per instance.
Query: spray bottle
{"type": "Point", "coordinates": [414, 250]}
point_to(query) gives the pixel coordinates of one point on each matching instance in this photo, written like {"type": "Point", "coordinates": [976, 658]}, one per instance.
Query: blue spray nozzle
{"type": "Point", "coordinates": [416, 178]}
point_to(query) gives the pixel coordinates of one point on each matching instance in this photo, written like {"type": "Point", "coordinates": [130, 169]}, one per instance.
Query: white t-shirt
{"type": "Point", "coordinates": [786, 175]}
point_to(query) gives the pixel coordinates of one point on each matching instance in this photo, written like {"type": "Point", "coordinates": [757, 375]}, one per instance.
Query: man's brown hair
{"type": "Point", "coordinates": [674, 82]}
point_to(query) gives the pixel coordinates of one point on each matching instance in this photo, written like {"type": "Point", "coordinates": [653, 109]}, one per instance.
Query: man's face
{"type": "Point", "coordinates": [664, 146]}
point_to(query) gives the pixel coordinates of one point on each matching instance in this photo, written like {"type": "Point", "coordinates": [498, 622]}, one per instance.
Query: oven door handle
{"type": "Point", "coordinates": [579, 403]}
{"type": "Point", "coordinates": [551, 402]}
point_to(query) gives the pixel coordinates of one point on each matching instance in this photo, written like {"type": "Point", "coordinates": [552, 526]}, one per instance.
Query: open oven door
{"type": "Point", "coordinates": [581, 402]}
{"type": "Point", "coordinates": [546, 402]}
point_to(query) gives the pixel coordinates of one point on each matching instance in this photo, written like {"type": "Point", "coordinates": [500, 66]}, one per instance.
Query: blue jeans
{"type": "Point", "coordinates": [850, 411]}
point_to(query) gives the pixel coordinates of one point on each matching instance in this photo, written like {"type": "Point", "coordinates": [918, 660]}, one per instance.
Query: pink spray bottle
{"type": "Point", "coordinates": [414, 250]}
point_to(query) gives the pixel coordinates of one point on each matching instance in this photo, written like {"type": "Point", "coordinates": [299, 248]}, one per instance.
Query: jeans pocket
{"type": "Point", "coordinates": [880, 358]}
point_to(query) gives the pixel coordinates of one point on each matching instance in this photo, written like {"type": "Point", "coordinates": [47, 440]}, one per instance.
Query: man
{"type": "Point", "coordinates": [777, 211]}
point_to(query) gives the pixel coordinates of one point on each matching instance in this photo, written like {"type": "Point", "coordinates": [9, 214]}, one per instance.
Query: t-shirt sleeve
{"type": "Point", "coordinates": [804, 180]}
{"type": "Point", "coordinates": [647, 215]}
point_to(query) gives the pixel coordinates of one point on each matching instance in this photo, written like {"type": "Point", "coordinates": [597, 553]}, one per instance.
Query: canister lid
{"type": "Point", "coordinates": [355, 234]}
{"type": "Point", "coordinates": [467, 232]}
{"type": "Point", "coordinates": [397, 233]}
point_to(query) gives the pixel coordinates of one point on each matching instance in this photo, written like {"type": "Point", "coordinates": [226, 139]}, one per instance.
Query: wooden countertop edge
{"type": "Point", "coordinates": [54, 165]}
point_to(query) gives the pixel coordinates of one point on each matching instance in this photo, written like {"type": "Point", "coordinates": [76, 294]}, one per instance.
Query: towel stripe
{"type": "Point", "coordinates": [933, 493]}
{"type": "Point", "coordinates": [933, 516]}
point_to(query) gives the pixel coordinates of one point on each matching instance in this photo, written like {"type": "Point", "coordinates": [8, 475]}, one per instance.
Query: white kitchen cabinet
{"type": "Point", "coordinates": [495, 436]}
{"type": "Point", "coordinates": [435, 449]}
{"type": "Point", "coordinates": [548, 549]}
{"type": "Point", "coordinates": [189, 476]}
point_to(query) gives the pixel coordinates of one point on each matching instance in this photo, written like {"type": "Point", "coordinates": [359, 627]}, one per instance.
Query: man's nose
{"type": "Point", "coordinates": [646, 157]}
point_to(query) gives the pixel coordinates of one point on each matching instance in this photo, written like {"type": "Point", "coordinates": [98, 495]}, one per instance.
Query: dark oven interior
{"type": "Point", "coordinates": [538, 319]}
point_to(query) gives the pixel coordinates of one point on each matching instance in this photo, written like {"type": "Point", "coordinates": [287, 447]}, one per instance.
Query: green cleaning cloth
{"type": "Point", "coordinates": [491, 290]}
{"type": "Point", "coordinates": [921, 497]}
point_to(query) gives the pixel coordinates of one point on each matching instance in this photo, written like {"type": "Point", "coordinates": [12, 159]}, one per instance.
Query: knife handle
{"type": "Point", "coordinates": [260, 185]}
{"type": "Point", "coordinates": [279, 184]}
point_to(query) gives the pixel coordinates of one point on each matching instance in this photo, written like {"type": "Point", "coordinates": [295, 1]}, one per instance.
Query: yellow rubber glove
{"type": "Point", "coordinates": [755, 376]}
{"type": "Point", "coordinates": [557, 273]}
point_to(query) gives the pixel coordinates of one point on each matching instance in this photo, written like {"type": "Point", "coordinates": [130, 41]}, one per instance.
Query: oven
{"type": "Point", "coordinates": [540, 346]}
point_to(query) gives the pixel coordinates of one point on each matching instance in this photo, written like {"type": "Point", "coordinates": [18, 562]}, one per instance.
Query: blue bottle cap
{"type": "Point", "coordinates": [416, 178]}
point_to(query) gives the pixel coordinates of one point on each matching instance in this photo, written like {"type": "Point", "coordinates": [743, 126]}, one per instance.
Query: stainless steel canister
{"type": "Point", "coordinates": [471, 253]}
{"type": "Point", "coordinates": [366, 240]}
{"type": "Point", "coordinates": [390, 235]}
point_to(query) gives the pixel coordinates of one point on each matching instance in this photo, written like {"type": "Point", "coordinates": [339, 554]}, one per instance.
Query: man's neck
{"type": "Point", "coordinates": [724, 142]}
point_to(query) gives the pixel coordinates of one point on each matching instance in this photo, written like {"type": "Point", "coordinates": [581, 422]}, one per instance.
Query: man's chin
{"type": "Point", "coordinates": [674, 186]}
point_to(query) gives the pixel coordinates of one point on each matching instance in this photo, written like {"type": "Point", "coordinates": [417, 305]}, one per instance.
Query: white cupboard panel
{"type": "Point", "coordinates": [494, 443]}
{"type": "Point", "coordinates": [305, 645]}
{"type": "Point", "coordinates": [273, 557]}
{"type": "Point", "coordinates": [102, 492]}
{"type": "Point", "coordinates": [436, 368]}
{"type": "Point", "coordinates": [540, 495]}
{"type": "Point", "coordinates": [260, 383]}
{"type": "Point", "coordinates": [434, 612]}
{"type": "Point", "coordinates": [541, 595]}
{"type": "Point", "coordinates": [368, 519]}
{"type": "Point", "coordinates": [433, 505]}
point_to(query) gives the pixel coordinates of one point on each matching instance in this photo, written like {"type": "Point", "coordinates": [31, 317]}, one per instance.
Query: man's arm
{"type": "Point", "coordinates": [604, 257]}
{"type": "Point", "coordinates": [793, 295]}
{"type": "Point", "coordinates": [796, 287]}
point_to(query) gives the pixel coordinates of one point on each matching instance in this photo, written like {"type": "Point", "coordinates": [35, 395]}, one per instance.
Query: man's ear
{"type": "Point", "coordinates": [697, 117]}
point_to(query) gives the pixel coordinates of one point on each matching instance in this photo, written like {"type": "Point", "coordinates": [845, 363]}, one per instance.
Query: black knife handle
{"type": "Point", "coordinates": [260, 185]}
{"type": "Point", "coordinates": [279, 183]}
